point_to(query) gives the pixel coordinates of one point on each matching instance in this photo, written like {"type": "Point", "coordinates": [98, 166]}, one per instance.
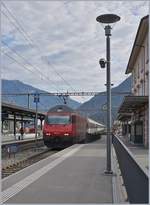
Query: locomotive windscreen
{"type": "Point", "coordinates": [56, 119]}
{"type": "Point", "coordinates": [62, 108]}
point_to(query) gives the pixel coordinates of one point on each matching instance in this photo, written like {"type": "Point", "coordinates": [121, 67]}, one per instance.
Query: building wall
{"type": "Point", "coordinates": [140, 72]}
{"type": "Point", "coordinates": [140, 85]}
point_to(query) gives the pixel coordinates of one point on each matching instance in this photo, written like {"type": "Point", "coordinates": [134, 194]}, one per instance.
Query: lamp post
{"type": "Point", "coordinates": [108, 19]}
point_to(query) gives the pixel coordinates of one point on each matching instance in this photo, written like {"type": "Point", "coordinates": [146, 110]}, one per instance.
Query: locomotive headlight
{"type": "Point", "coordinates": [66, 134]}
{"type": "Point", "coordinates": [48, 134]}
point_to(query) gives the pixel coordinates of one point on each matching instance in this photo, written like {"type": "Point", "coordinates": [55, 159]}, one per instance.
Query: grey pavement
{"type": "Point", "coordinates": [74, 175]}
{"type": "Point", "coordinates": [7, 138]}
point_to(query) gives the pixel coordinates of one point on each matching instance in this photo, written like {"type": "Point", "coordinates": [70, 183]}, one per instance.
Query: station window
{"type": "Point", "coordinates": [134, 75]}
{"type": "Point", "coordinates": [146, 85]}
{"type": "Point", "coordinates": [142, 61]}
{"type": "Point", "coordinates": [138, 69]}
{"type": "Point", "coordinates": [132, 80]}
{"type": "Point", "coordinates": [142, 88]}
{"type": "Point", "coordinates": [147, 51]}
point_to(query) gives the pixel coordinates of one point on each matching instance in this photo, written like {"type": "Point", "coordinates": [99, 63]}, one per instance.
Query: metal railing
{"type": "Point", "coordinates": [135, 179]}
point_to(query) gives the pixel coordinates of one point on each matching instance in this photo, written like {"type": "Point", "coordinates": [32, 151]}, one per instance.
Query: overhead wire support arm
{"type": "Point", "coordinates": [67, 93]}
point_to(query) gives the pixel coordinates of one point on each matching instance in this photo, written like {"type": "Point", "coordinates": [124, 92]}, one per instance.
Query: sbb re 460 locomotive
{"type": "Point", "coordinates": [64, 127]}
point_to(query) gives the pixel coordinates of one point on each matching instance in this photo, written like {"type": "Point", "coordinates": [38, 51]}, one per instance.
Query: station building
{"type": "Point", "coordinates": [134, 110]}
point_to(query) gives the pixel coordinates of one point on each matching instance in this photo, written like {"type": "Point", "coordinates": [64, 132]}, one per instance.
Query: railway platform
{"type": "Point", "coordinates": [19, 141]}
{"type": "Point", "coordinates": [10, 138]}
{"type": "Point", "coordinates": [73, 175]}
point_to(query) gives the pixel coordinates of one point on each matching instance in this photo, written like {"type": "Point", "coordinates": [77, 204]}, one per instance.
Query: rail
{"type": "Point", "coordinates": [135, 179]}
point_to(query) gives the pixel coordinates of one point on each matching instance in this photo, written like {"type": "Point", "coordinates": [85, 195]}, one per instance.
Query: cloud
{"type": "Point", "coordinates": [64, 38]}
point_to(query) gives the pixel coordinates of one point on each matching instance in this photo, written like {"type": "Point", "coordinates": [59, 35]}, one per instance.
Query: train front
{"type": "Point", "coordinates": [58, 130]}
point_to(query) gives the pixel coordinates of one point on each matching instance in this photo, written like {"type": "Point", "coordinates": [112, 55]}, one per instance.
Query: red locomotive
{"type": "Point", "coordinates": [64, 127]}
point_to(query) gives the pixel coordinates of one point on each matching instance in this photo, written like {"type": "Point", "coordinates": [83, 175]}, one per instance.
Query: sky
{"type": "Point", "coordinates": [56, 45]}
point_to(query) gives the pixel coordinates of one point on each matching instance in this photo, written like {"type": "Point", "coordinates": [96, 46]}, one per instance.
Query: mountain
{"type": "Point", "coordinates": [94, 108]}
{"type": "Point", "coordinates": [46, 102]}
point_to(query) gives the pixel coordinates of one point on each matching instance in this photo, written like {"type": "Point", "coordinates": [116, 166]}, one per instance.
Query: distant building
{"type": "Point", "coordinates": [134, 110]}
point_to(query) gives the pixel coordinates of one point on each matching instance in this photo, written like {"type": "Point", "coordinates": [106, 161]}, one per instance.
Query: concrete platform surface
{"type": "Point", "coordinates": [74, 175]}
{"type": "Point", "coordinates": [12, 140]}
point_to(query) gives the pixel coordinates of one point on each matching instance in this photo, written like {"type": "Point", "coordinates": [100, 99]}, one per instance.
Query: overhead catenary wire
{"type": "Point", "coordinates": [17, 28]}
{"type": "Point", "coordinates": [26, 68]}
{"type": "Point", "coordinates": [34, 67]}
{"type": "Point", "coordinates": [19, 31]}
{"type": "Point", "coordinates": [28, 38]}
{"type": "Point", "coordinates": [31, 42]}
{"type": "Point", "coordinates": [22, 65]}
{"type": "Point", "coordinates": [13, 50]}
{"type": "Point", "coordinates": [18, 88]}
{"type": "Point", "coordinates": [90, 93]}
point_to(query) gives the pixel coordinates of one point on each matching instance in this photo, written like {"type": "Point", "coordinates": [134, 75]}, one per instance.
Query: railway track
{"type": "Point", "coordinates": [17, 166]}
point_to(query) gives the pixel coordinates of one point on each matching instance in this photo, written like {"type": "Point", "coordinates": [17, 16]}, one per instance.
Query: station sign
{"type": "Point", "coordinates": [36, 98]}
{"type": "Point", "coordinates": [4, 115]}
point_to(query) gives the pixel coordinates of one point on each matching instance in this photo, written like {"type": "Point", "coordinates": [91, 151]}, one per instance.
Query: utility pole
{"type": "Point", "coordinates": [36, 100]}
{"type": "Point", "coordinates": [28, 100]}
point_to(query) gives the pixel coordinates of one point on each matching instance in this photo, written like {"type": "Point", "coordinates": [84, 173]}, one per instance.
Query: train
{"type": "Point", "coordinates": [64, 127]}
{"type": "Point", "coordinates": [94, 130]}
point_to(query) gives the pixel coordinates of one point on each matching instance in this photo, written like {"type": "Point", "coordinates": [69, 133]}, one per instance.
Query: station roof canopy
{"type": "Point", "coordinates": [20, 111]}
{"type": "Point", "coordinates": [141, 33]}
{"type": "Point", "coordinates": [132, 103]}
